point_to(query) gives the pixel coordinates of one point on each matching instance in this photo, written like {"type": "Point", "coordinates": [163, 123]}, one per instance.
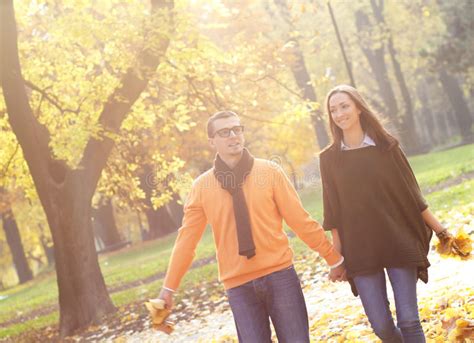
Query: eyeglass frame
{"type": "Point", "coordinates": [232, 129]}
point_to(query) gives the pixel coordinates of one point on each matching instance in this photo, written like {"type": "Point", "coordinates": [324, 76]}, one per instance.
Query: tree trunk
{"type": "Point", "coordinates": [407, 122]}
{"type": "Point", "coordinates": [451, 123]}
{"type": "Point", "coordinates": [48, 250]}
{"type": "Point", "coordinates": [303, 80]}
{"type": "Point", "coordinates": [83, 296]}
{"type": "Point", "coordinates": [105, 226]}
{"type": "Point", "coordinates": [443, 125]}
{"type": "Point", "coordinates": [160, 222]}
{"type": "Point", "coordinates": [459, 105]}
{"type": "Point", "coordinates": [66, 194]}
{"type": "Point", "coordinates": [427, 115]}
{"type": "Point", "coordinates": [301, 75]}
{"type": "Point", "coordinates": [13, 237]}
{"type": "Point", "coordinates": [176, 210]}
{"type": "Point", "coordinates": [376, 60]}
{"type": "Point", "coordinates": [143, 231]}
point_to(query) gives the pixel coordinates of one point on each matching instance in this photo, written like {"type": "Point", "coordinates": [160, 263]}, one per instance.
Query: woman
{"type": "Point", "coordinates": [377, 214]}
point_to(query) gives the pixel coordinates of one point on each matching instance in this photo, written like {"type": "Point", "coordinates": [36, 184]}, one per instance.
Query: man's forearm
{"type": "Point", "coordinates": [336, 242]}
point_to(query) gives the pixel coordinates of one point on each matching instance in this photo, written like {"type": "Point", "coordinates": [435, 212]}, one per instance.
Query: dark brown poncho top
{"type": "Point", "coordinates": [373, 199]}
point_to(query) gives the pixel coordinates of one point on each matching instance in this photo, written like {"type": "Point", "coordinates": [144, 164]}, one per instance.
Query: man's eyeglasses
{"type": "Point", "coordinates": [224, 133]}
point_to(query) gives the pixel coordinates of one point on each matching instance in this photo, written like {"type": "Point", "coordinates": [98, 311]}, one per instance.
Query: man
{"type": "Point", "coordinates": [245, 199]}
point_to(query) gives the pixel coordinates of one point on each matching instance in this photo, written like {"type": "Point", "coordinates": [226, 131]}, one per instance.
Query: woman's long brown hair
{"type": "Point", "coordinates": [371, 125]}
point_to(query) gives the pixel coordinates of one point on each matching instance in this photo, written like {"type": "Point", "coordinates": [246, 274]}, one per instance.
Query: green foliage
{"type": "Point", "coordinates": [452, 50]}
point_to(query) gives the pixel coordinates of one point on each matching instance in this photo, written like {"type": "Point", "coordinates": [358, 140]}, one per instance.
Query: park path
{"type": "Point", "coordinates": [332, 308]}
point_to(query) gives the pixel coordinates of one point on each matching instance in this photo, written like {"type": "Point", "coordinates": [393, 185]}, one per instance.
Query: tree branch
{"type": "Point", "coordinates": [33, 137]}
{"type": "Point", "coordinates": [281, 84]}
{"type": "Point", "coordinates": [48, 97]}
{"type": "Point", "coordinates": [121, 100]}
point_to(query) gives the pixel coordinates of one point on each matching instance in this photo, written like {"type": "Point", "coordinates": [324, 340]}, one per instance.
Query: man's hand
{"type": "Point", "coordinates": [338, 274]}
{"type": "Point", "coordinates": [167, 296]}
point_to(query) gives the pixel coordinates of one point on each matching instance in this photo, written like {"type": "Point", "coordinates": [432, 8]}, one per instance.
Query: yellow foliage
{"type": "Point", "coordinates": [458, 245]}
{"type": "Point", "coordinates": [159, 313]}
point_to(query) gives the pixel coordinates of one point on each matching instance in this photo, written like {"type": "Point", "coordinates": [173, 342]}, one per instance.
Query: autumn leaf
{"type": "Point", "coordinates": [159, 313]}
{"type": "Point", "coordinates": [458, 245]}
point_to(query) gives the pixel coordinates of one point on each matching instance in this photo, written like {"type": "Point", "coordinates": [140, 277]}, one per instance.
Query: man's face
{"type": "Point", "coordinates": [231, 145]}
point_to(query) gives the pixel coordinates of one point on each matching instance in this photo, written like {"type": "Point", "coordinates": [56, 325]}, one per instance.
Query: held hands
{"type": "Point", "coordinates": [167, 296]}
{"type": "Point", "coordinates": [338, 274]}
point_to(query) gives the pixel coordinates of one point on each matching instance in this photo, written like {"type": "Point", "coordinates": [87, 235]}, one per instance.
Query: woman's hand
{"type": "Point", "coordinates": [448, 244]}
{"type": "Point", "coordinates": [338, 274]}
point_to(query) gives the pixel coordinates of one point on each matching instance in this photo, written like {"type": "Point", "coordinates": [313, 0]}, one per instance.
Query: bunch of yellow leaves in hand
{"type": "Point", "coordinates": [159, 313]}
{"type": "Point", "coordinates": [459, 245]}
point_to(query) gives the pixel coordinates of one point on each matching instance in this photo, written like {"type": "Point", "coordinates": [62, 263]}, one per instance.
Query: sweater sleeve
{"type": "Point", "coordinates": [329, 201]}
{"type": "Point", "coordinates": [305, 227]}
{"type": "Point", "coordinates": [409, 178]}
{"type": "Point", "coordinates": [189, 235]}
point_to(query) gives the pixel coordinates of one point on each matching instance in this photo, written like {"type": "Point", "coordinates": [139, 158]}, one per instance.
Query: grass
{"type": "Point", "coordinates": [145, 260]}
{"type": "Point", "coordinates": [437, 167]}
{"type": "Point", "coordinates": [36, 323]}
{"type": "Point", "coordinates": [149, 258]}
{"type": "Point", "coordinates": [455, 196]}
{"type": "Point", "coordinates": [31, 295]}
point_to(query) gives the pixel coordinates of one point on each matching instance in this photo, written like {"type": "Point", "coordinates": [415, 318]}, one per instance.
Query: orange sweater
{"type": "Point", "coordinates": [270, 197]}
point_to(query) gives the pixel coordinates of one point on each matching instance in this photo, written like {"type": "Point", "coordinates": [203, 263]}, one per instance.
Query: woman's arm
{"type": "Point", "coordinates": [431, 221]}
{"type": "Point", "coordinates": [444, 236]}
{"type": "Point", "coordinates": [336, 241]}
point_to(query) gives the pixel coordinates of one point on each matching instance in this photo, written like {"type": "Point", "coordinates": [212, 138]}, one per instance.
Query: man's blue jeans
{"type": "Point", "coordinates": [277, 296]}
{"type": "Point", "coordinates": [373, 293]}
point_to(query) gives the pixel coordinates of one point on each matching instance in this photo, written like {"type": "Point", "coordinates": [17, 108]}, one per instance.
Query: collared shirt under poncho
{"type": "Point", "coordinates": [373, 199]}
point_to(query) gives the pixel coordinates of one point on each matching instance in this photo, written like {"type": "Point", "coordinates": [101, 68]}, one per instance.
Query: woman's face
{"type": "Point", "coordinates": [344, 111]}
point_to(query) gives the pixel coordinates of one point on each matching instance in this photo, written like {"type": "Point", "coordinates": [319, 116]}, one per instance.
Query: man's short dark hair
{"type": "Point", "coordinates": [214, 117]}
